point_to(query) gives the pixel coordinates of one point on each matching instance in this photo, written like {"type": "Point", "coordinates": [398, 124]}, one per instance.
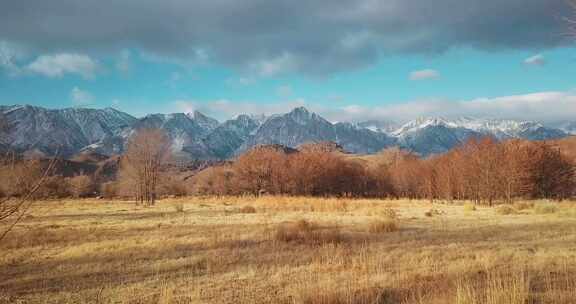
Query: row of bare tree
{"type": "Point", "coordinates": [482, 170]}
{"type": "Point", "coordinates": [486, 171]}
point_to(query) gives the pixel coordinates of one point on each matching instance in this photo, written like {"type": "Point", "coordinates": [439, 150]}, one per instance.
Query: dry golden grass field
{"type": "Point", "coordinates": [290, 250]}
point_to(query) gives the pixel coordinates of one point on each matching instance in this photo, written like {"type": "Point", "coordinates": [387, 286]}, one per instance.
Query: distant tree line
{"type": "Point", "coordinates": [482, 170]}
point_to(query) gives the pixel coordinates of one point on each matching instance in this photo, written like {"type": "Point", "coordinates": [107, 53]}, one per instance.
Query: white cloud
{"type": "Point", "coordinates": [536, 60]}
{"type": "Point", "coordinates": [542, 106]}
{"type": "Point", "coordinates": [272, 67]}
{"type": "Point", "coordinates": [424, 75]}
{"type": "Point", "coordinates": [80, 97]}
{"type": "Point", "coordinates": [284, 91]}
{"type": "Point", "coordinates": [185, 106]}
{"type": "Point", "coordinates": [65, 63]}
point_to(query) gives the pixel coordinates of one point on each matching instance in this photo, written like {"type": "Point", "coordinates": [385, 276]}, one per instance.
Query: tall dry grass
{"type": "Point", "coordinates": [292, 250]}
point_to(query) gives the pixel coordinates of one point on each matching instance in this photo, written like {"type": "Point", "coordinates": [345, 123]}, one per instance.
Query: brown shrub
{"type": "Point", "coordinates": [523, 205]}
{"type": "Point", "coordinates": [505, 210]}
{"type": "Point", "coordinates": [433, 212]}
{"type": "Point", "coordinates": [17, 177]}
{"type": "Point", "coordinates": [172, 186]}
{"type": "Point", "coordinates": [81, 186]}
{"type": "Point", "coordinates": [54, 187]}
{"type": "Point", "coordinates": [109, 189]}
{"type": "Point", "coordinates": [247, 209]}
{"type": "Point", "coordinates": [545, 208]}
{"type": "Point", "coordinates": [307, 233]}
{"type": "Point", "coordinates": [345, 296]}
{"type": "Point", "coordinates": [178, 208]}
{"type": "Point", "coordinates": [383, 226]}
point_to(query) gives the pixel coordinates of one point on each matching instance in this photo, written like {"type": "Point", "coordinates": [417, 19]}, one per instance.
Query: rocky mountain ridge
{"type": "Point", "coordinates": [197, 136]}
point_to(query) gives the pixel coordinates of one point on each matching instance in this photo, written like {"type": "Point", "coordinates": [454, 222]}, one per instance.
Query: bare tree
{"type": "Point", "coordinates": [147, 151]}
{"type": "Point", "coordinates": [260, 170]}
{"type": "Point", "coordinates": [81, 186]}
{"type": "Point", "coordinates": [13, 209]}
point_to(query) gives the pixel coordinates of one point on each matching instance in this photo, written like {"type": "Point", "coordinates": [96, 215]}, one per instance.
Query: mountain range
{"type": "Point", "coordinates": [196, 136]}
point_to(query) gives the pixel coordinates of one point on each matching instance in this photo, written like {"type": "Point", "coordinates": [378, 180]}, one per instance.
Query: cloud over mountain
{"type": "Point", "coordinates": [273, 37]}
{"type": "Point", "coordinates": [60, 64]}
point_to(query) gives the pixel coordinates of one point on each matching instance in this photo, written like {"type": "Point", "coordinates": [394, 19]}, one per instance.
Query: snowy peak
{"type": "Point", "coordinates": [568, 127]}
{"type": "Point", "coordinates": [422, 123]}
{"type": "Point", "coordinates": [197, 136]}
{"type": "Point", "coordinates": [65, 131]}
{"type": "Point", "coordinates": [499, 128]}
{"type": "Point", "coordinates": [204, 121]}
{"type": "Point", "coordinates": [437, 134]}
{"type": "Point", "coordinates": [381, 126]}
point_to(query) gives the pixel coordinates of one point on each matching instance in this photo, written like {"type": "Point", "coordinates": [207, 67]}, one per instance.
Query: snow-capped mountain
{"type": "Point", "coordinates": [383, 126]}
{"type": "Point", "coordinates": [566, 126]}
{"type": "Point", "coordinates": [204, 121]}
{"type": "Point", "coordinates": [227, 138]}
{"type": "Point", "coordinates": [301, 126]}
{"type": "Point", "coordinates": [197, 136]}
{"type": "Point", "coordinates": [437, 135]}
{"type": "Point", "coordinates": [498, 128]}
{"type": "Point", "coordinates": [64, 131]}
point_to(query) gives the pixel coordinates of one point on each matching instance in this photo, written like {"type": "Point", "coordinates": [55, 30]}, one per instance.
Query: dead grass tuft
{"type": "Point", "coordinates": [505, 210]}
{"type": "Point", "coordinates": [469, 207]}
{"type": "Point", "coordinates": [306, 232]}
{"type": "Point", "coordinates": [390, 213]}
{"type": "Point", "coordinates": [178, 207]}
{"type": "Point", "coordinates": [247, 209]}
{"type": "Point", "coordinates": [545, 208]}
{"type": "Point", "coordinates": [383, 226]}
{"type": "Point", "coordinates": [85, 251]}
{"type": "Point", "coordinates": [433, 212]}
{"type": "Point", "coordinates": [523, 205]}
{"type": "Point", "coordinates": [366, 296]}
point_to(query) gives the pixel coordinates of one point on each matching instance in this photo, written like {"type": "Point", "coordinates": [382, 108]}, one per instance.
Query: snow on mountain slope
{"type": "Point", "coordinates": [437, 134]}
{"type": "Point", "coordinates": [195, 135]}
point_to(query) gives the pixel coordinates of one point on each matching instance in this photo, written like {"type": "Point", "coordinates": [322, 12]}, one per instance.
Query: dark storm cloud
{"type": "Point", "coordinates": [270, 37]}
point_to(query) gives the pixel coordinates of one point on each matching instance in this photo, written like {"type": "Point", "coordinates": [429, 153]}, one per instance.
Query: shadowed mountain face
{"type": "Point", "coordinates": [197, 136]}
{"type": "Point", "coordinates": [65, 131]}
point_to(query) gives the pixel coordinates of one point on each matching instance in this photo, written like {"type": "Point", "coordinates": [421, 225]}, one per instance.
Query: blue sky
{"type": "Point", "coordinates": [370, 68]}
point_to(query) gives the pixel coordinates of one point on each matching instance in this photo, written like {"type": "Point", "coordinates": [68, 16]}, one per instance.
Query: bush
{"type": "Point", "coordinates": [523, 205]}
{"type": "Point", "coordinates": [247, 209]}
{"type": "Point", "coordinates": [172, 186]}
{"type": "Point", "coordinates": [383, 226]}
{"type": "Point", "coordinates": [109, 189]}
{"type": "Point", "coordinates": [81, 186]}
{"type": "Point", "coordinates": [546, 208]}
{"type": "Point", "coordinates": [433, 212]}
{"type": "Point", "coordinates": [505, 210]}
{"type": "Point", "coordinates": [307, 233]}
{"type": "Point", "coordinates": [179, 207]}
{"type": "Point", "coordinates": [53, 187]}
{"type": "Point", "coordinates": [18, 177]}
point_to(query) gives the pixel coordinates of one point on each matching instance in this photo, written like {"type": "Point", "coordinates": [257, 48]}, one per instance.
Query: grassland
{"type": "Point", "coordinates": [289, 250]}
